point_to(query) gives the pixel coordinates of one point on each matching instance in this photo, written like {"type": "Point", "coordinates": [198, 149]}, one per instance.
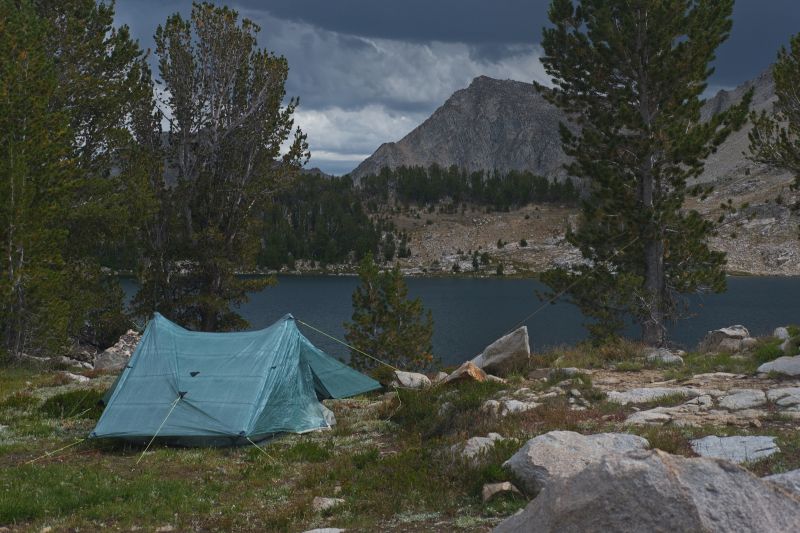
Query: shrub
{"type": "Point", "coordinates": [768, 350]}
{"type": "Point", "coordinates": [308, 451]}
{"type": "Point", "coordinates": [78, 403]}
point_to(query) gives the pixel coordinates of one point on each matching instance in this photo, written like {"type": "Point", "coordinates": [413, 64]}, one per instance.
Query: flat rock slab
{"type": "Point", "coordinates": [743, 399]}
{"type": "Point", "coordinates": [662, 355]}
{"type": "Point", "coordinates": [506, 407]}
{"type": "Point", "coordinates": [783, 365]}
{"type": "Point", "coordinates": [656, 491]}
{"type": "Point", "coordinates": [649, 394]}
{"type": "Point", "coordinates": [735, 449]}
{"type": "Point", "coordinates": [788, 480]}
{"type": "Point", "coordinates": [560, 454]}
{"type": "Point", "coordinates": [785, 397]}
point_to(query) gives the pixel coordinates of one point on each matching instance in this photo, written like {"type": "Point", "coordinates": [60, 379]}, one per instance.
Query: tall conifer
{"type": "Point", "coordinates": [632, 73]}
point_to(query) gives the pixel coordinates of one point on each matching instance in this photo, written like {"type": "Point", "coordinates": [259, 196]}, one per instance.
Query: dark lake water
{"type": "Point", "coordinates": [470, 313]}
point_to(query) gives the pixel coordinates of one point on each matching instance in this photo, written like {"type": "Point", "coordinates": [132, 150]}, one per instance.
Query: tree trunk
{"type": "Point", "coordinates": [653, 331]}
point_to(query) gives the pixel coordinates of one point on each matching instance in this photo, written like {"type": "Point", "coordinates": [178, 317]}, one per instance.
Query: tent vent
{"type": "Point", "coordinates": [182, 393]}
{"type": "Point", "coordinates": [193, 374]}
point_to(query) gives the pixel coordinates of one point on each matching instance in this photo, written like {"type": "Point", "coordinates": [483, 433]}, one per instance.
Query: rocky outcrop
{"type": "Point", "coordinates": [492, 124]}
{"type": "Point", "coordinates": [731, 339]}
{"type": "Point", "coordinates": [116, 357]}
{"type": "Point", "coordinates": [507, 353]}
{"type": "Point", "coordinates": [655, 491]}
{"type": "Point", "coordinates": [560, 454]}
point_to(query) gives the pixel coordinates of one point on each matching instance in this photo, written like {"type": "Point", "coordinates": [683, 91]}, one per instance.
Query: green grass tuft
{"type": "Point", "coordinates": [74, 404]}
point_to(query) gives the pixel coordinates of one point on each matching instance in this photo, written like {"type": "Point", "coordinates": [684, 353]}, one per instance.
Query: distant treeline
{"type": "Point", "coordinates": [322, 219]}
{"type": "Point", "coordinates": [434, 184]}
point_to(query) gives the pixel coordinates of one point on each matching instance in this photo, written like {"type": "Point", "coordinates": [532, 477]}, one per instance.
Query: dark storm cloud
{"type": "Point", "coordinates": [368, 71]}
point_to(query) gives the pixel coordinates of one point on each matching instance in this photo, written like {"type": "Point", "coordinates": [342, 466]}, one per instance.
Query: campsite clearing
{"type": "Point", "coordinates": [397, 459]}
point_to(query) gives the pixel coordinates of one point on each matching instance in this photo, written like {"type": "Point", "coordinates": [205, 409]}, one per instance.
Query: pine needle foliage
{"type": "Point", "coordinates": [386, 324]}
{"type": "Point", "coordinates": [223, 98]}
{"type": "Point", "coordinates": [775, 138]}
{"type": "Point", "coordinates": [631, 74]}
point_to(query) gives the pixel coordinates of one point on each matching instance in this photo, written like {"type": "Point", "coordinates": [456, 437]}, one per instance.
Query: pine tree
{"type": "Point", "coordinates": [37, 183]}
{"type": "Point", "coordinates": [632, 73]}
{"type": "Point", "coordinates": [775, 138]}
{"type": "Point", "coordinates": [224, 100]}
{"type": "Point", "coordinates": [386, 324]}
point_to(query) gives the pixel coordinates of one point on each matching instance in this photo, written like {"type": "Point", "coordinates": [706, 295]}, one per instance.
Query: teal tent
{"type": "Point", "coordinates": [224, 388]}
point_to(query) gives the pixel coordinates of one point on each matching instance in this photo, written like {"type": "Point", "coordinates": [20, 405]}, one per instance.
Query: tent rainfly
{"type": "Point", "coordinates": [224, 388]}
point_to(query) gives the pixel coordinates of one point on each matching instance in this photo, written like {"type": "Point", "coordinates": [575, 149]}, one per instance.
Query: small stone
{"type": "Point", "coordinates": [781, 333]}
{"type": "Point", "coordinates": [650, 417]}
{"type": "Point", "coordinates": [662, 355]}
{"type": "Point", "coordinates": [494, 379]}
{"type": "Point", "coordinates": [320, 504]}
{"type": "Point", "coordinates": [467, 371]}
{"type": "Point", "coordinates": [474, 447]}
{"type": "Point", "coordinates": [569, 371]}
{"type": "Point", "coordinates": [165, 529]}
{"type": "Point", "coordinates": [439, 377]}
{"type": "Point", "coordinates": [410, 380]}
{"type": "Point", "coordinates": [575, 392]}
{"type": "Point", "coordinates": [490, 490]}
{"type": "Point", "coordinates": [749, 343]}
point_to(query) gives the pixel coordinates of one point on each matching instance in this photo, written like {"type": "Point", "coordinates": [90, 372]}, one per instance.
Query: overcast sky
{"type": "Point", "coordinates": [369, 71]}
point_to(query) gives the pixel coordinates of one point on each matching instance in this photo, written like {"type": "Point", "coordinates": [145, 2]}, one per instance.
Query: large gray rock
{"type": "Point", "coordinates": [506, 353]}
{"type": "Point", "coordinates": [559, 454]}
{"type": "Point", "coordinates": [724, 340]}
{"type": "Point", "coordinates": [788, 480]}
{"type": "Point", "coordinates": [116, 357]}
{"type": "Point", "coordinates": [656, 491]}
{"type": "Point", "coordinates": [739, 449]}
{"type": "Point", "coordinates": [783, 365]}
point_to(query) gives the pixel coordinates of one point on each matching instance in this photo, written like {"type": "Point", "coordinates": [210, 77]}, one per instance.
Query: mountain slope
{"type": "Point", "coordinates": [508, 125]}
{"type": "Point", "coordinates": [492, 124]}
